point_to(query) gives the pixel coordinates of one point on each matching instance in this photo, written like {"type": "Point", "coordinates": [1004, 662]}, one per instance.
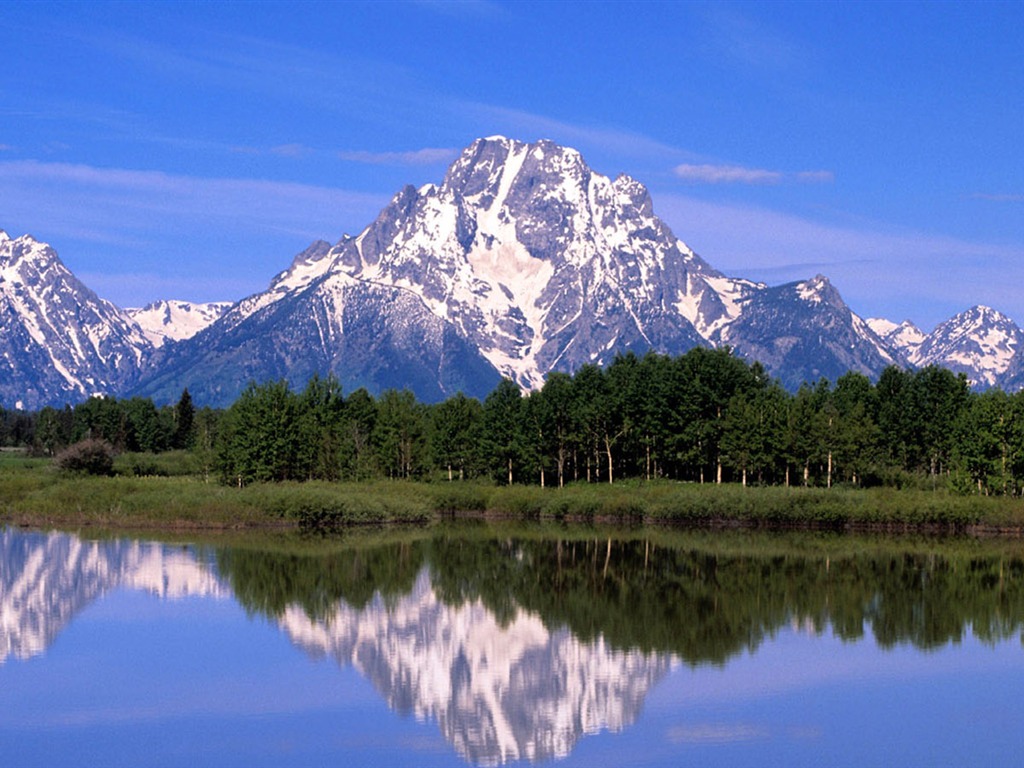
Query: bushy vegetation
{"type": "Point", "coordinates": [89, 456]}
{"type": "Point", "coordinates": [645, 439]}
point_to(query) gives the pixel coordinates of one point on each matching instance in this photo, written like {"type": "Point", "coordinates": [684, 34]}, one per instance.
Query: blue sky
{"type": "Point", "coordinates": [189, 150]}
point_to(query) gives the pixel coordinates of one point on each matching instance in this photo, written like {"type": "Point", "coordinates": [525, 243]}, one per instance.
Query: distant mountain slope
{"type": "Point", "coordinates": [522, 261]}
{"type": "Point", "coordinates": [59, 341]}
{"type": "Point", "coordinates": [174, 320]}
{"type": "Point", "coordinates": [804, 331]}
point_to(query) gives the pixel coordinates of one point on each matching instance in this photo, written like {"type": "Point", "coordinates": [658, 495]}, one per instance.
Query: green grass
{"type": "Point", "coordinates": [32, 492]}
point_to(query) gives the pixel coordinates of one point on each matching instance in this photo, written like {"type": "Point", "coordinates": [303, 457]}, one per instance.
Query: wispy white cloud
{"type": "Point", "coordinates": [426, 156]}
{"type": "Point", "coordinates": [227, 235]}
{"type": "Point", "coordinates": [899, 274]}
{"type": "Point", "coordinates": [998, 198]}
{"type": "Point", "coordinates": [707, 173]}
{"type": "Point", "coordinates": [159, 192]}
{"type": "Point", "coordinates": [716, 733]}
{"type": "Point", "coordinates": [726, 174]}
{"type": "Point", "coordinates": [529, 125]}
{"type": "Point", "coordinates": [291, 150]}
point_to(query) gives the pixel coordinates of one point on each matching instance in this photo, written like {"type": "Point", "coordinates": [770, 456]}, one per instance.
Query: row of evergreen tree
{"type": "Point", "coordinates": [705, 416]}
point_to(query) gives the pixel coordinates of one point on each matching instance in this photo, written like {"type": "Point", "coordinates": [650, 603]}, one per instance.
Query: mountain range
{"type": "Point", "coordinates": [522, 261]}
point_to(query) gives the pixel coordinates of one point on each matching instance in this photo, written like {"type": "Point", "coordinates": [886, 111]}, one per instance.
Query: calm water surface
{"type": "Point", "coordinates": [479, 646]}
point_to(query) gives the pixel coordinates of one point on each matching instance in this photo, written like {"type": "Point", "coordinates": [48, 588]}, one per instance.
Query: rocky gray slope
{"type": "Point", "coordinates": [522, 261]}
{"type": "Point", "coordinates": [59, 341]}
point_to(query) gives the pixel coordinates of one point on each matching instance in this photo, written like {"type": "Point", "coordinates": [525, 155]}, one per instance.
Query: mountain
{"type": "Point", "coordinates": [314, 321]}
{"type": "Point", "coordinates": [803, 331]}
{"type": "Point", "coordinates": [173, 320]}
{"type": "Point", "coordinates": [522, 261]}
{"type": "Point", "coordinates": [980, 343]}
{"type": "Point", "coordinates": [60, 342]}
{"type": "Point", "coordinates": [902, 340]}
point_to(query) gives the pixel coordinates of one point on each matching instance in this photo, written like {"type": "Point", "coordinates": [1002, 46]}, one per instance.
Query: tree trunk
{"type": "Point", "coordinates": [510, 470]}
{"type": "Point", "coordinates": [829, 481]}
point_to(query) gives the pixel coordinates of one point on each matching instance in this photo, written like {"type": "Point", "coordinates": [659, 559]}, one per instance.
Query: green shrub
{"type": "Point", "coordinates": [89, 456]}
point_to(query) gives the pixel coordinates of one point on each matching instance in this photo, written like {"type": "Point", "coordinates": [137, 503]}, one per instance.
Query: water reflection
{"type": "Point", "coordinates": [46, 579]}
{"type": "Point", "coordinates": [518, 646]}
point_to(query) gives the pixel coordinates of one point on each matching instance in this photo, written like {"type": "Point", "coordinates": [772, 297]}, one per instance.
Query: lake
{"type": "Point", "coordinates": [490, 645]}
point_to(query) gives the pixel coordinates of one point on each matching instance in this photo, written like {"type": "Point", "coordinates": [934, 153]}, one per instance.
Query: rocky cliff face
{"type": "Point", "coordinates": [522, 261]}
{"type": "Point", "coordinates": [59, 341]}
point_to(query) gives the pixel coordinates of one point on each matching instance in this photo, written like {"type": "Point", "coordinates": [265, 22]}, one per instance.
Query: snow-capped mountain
{"type": "Point", "coordinates": [980, 342]}
{"type": "Point", "coordinates": [500, 691]}
{"type": "Point", "coordinates": [902, 340]}
{"type": "Point", "coordinates": [803, 331]}
{"type": "Point", "coordinates": [174, 320]}
{"type": "Point", "coordinates": [521, 261]}
{"type": "Point", "coordinates": [59, 341]}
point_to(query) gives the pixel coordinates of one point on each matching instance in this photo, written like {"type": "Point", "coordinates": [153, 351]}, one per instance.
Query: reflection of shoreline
{"type": "Point", "coordinates": [47, 579]}
{"type": "Point", "coordinates": [498, 693]}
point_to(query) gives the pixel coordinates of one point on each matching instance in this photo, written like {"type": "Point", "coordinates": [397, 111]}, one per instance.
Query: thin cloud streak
{"type": "Point", "coordinates": [726, 174]}
{"type": "Point", "coordinates": [996, 198]}
{"type": "Point", "coordinates": [426, 156]}
{"type": "Point", "coordinates": [707, 173]}
{"type": "Point", "coordinates": [895, 274]}
{"type": "Point", "coordinates": [157, 191]}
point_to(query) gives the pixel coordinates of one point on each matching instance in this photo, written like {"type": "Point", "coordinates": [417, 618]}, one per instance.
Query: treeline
{"type": "Point", "coordinates": [135, 425]}
{"type": "Point", "coordinates": [705, 416]}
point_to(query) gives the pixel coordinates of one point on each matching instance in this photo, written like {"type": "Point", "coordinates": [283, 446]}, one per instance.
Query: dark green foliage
{"type": "Point", "coordinates": [703, 417]}
{"type": "Point", "coordinates": [702, 599]}
{"type": "Point", "coordinates": [504, 437]}
{"type": "Point", "coordinates": [184, 422]}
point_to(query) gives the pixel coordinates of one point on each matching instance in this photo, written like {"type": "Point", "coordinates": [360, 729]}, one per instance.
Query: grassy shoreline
{"type": "Point", "coordinates": [32, 494]}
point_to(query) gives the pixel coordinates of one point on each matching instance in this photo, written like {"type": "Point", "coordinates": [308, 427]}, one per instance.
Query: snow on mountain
{"type": "Point", "coordinates": [46, 579]}
{"type": "Point", "coordinates": [60, 341]}
{"type": "Point", "coordinates": [980, 342]}
{"type": "Point", "coordinates": [540, 262]}
{"type": "Point", "coordinates": [500, 691]}
{"type": "Point", "coordinates": [902, 340]}
{"type": "Point", "coordinates": [522, 261]}
{"type": "Point", "coordinates": [173, 320]}
{"type": "Point", "coordinates": [804, 331]}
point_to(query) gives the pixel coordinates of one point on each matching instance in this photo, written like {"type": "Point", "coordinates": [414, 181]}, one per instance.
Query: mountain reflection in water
{"type": "Point", "coordinates": [518, 646]}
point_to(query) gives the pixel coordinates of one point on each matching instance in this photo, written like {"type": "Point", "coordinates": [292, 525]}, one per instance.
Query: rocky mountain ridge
{"type": "Point", "coordinates": [522, 261]}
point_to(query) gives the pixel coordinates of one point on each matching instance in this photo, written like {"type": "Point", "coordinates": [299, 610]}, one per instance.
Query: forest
{"type": "Point", "coordinates": [703, 417]}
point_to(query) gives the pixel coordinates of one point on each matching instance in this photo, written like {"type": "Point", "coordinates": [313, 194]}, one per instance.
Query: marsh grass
{"type": "Point", "coordinates": [32, 492]}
